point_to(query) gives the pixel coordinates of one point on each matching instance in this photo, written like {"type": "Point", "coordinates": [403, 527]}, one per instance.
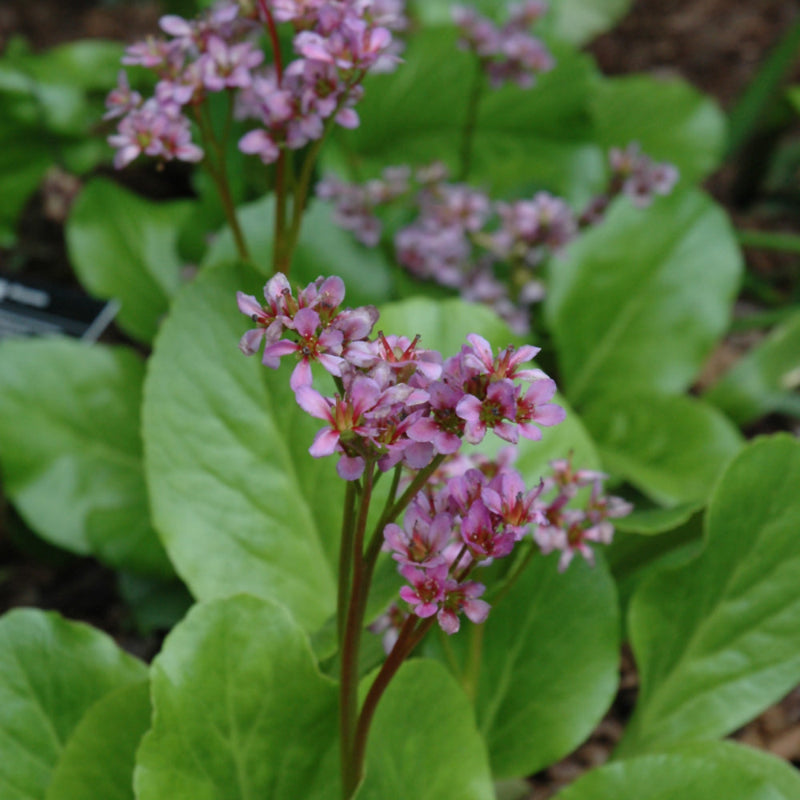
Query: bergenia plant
{"type": "Point", "coordinates": [401, 573]}
{"type": "Point", "coordinates": [407, 411]}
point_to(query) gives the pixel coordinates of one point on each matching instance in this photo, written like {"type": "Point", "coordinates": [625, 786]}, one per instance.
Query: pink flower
{"type": "Point", "coordinates": [462, 598]}
{"type": "Point", "coordinates": [534, 408]}
{"type": "Point", "coordinates": [421, 541]}
{"type": "Point", "coordinates": [426, 591]}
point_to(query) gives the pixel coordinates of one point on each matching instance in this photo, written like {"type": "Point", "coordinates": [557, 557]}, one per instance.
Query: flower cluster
{"type": "Point", "coordinates": [475, 510]}
{"type": "Point", "coordinates": [459, 237]}
{"type": "Point", "coordinates": [507, 53]}
{"type": "Point", "coordinates": [338, 41]}
{"type": "Point", "coordinates": [397, 403]}
{"type": "Point", "coordinates": [400, 405]}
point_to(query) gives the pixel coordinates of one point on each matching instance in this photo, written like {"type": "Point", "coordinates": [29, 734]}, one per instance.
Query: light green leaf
{"type": "Point", "coordinates": [523, 138]}
{"type": "Point", "coordinates": [670, 448]}
{"type": "Point", "coordinates": [650, 521]}
{"type": "Point", "coordinates": [444, 325]}
{"type": "Point", "coordinates": [240, 710]}
{"type": "Point", "coordinates": [99, 757]}
{"type": "Point", "coordinates": [71, 451]}
{"type": "Point", "coordinates": [671, 121]}
{"type": "Point", "coordinates": [694, 772]}
{"type": "Point", "coordinates": [124, 247]}
{"type": "Point", "coordinates": [51, 673]}
{"type": "Point", "coordinates": [423, 742]}
{"type": "Point", "coordinates": [549, 665]}
{"type": "Point", "coordinates": [765, 380]}
{"type": "Point", "coordinates": [323, 249]}
{"type": "Point", "coordinates": [239, 502]}
{"type": "Point", "coordinates": [718, 640]}
{"type": "Point", "coordinates": [640, 300]}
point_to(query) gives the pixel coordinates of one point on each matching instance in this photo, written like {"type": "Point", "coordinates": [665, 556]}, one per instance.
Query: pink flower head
{"type": "Point", "coordinates": [507, 498]}
{"type": "Point", "coordinates": [421, 541]}
{"type": "Point", "coordinates": [312, 345]}
{"type": "Point", "coordinates": [462, 597]}
{"type": "Point", "coordinates": [426, 591]}
{"type": "Point", "coordinates": [480, 534]}
{"type": "Point", "coordinates": [495, 410]}
{"type": "Point", "coordinates": [533, 409]}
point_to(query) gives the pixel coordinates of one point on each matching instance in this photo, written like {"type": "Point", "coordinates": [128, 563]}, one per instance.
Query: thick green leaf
{"type": "Point", "coordinates": [657, 520]}
{"type": "Point", "coordinates": [693, 772]}
{"type": "Point", "coordinates": [639, 301]}
{"type": "Point", "coordinates": [444, 325]}
{"type": "Point", "coordinates": [99, 757]}
{"type": "Point", "coordinates": [323, 249]}
{"type": "Point", "coordinates": [124, 247]}
{"type": "Point", "coordinates": [523, 138]}
{"type": "Point", "coordinates": [718, 640]}
{"type": "Point", "coordinates": [671, 121]}
{"type": "Point", "coordinates": [764, 380]}
{"type": "Point", "coordinates": [671, 448]}
{"type": "Point", "coordinates": [71, 451]}
{"type": "Point", "coordinates": [632, 557]}
{"type": "Point", "coordinates": [423, 742]}
{"type": "Point", "coordinates": [549, 663]}
{"type": "Point", "coordinates": [51, 673]}
{"type": "Point", "coordinates": [239, 502]}
{"type": "Point", "coordinates": [241, 711]}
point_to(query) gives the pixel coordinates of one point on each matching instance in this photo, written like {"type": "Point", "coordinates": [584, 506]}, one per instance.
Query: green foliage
{"type": "Point", "coordinates": [522, 139]}
{"type": "Point", "coordinates": [442, 758]}
{"type": "Point", "coordinates": [671, 121]}
{"type": "Point", "coordinates": [239, 503]}
{"type": "Point", "coordinates": [236, 690]}
{"type": "Point", "coordinates": [49, 103]}
{"type": "Point", "coordinates": [765, 380]}
{"type": "Point", "coordinates": [718, 639]}
{"type": "Point", "coordinates": [51, 673]}
{"type": "Point", "coordinates": [671, 448]}
{"type": "Point", "coordinates": [71, 451]}
{"type": "Point", "coordinates": [638, 302]}
{"type": "Point", "coordinates": [322, 249]}
{"type": "Point", "coordinates": [124, 247]}
{"type": "Point", "coordinates": [692, 772]}
{"type": "Point", "coordinates": [548, 665]}
{"type": "Point", "coordinates": [99, 757]}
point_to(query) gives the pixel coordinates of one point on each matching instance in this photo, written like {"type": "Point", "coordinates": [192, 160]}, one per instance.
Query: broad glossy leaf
{"type": "Point", "coordinates": [51, 673]}
{"type": "Point", "coordinates": [549, 665]}
{"type": "Point", "coordinates": [765, 380]}
{"type": "Point", "coordinates": [237, 499]}
{"type": "Point", "coordinates": [99, 757]}
{"type": "Point", "coordinates": [523, 138]}
{"type": "Point", "coordinates": [71, 451]}
{"type": "Point", "coordinates": [670, 119]}
{"type": "Point", "coordinates": [241, 711]}
{"type": "Point", "coordinates": [323, 249]}
{"type": "Point", "coordinates": [423, 741]}
{"type": "Point", "coordinates": [718, 640]}
{"type": "Point", "coordinates": [574, 21]}
{"type": "Point", "coordinates": [639, 301]}
{"type": "Point", "coordinates": [124, 247]}
{"type": "Point", "coordinates": [693, 772]}
{"type": "Point", "coordinates": [657, 520]}
{"type": "Point", "coordinates": [671, 448]}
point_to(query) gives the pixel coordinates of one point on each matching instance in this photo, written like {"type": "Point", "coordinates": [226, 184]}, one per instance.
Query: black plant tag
{"type": "Point", "coordinates": [34, 308]}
